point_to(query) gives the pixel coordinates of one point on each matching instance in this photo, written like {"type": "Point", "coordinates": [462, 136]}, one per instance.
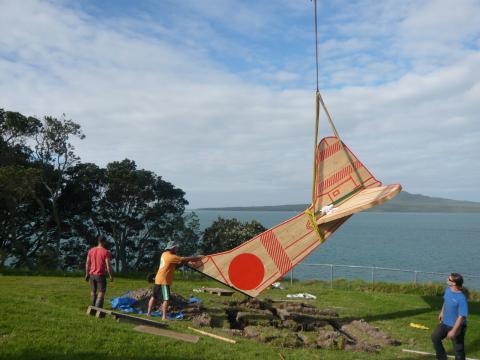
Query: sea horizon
{"type": "Point", "coordinates": [422, 242]}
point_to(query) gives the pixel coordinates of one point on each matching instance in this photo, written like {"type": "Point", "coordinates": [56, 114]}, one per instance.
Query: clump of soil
{"type": "Point", "coordinates": [367, 335]}
{"type": "Point", "coordinates": [203, 319]}
{"type": "Point", "coordinates": [177, 303]}
{"type": "Point", "coordinates": [297, 324]}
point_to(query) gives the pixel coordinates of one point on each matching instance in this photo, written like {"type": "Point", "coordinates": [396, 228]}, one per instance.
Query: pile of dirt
{"type": "Point", "coordinates": [177, 303]}
{"type": "Point", "coordinates": [290, 324]}
{"type": "Point", "coordinates": [203, 319]}
{"type": "Point", "coordinates": [298, 324]}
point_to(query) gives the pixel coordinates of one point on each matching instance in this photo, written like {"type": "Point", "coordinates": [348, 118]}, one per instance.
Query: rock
{"type": "Point", "coordinates": [361, 346]}
{"type": "Point", "coordinates": [290, 324]}
{"type": "Point", "coordinates": [283, 314]}
{"type": "Point", "coordinates": [203, 319]}
{"type": "Point", "coordinates": [368, 334]}
{"type": "Point", "coordinates": [331, 339]}
{"type": "Point", "coordinates": [273, 336]}
{"type": "Point", "coordinates": [234, 332]}
{"type": "Point", "coordinates": [253, 304]}
{"type": "Point", "coordinates": [287, 341]}
{"type": "Point", "coordinates": [302, 308]}
{"type": "Point", "coordinates": [252, 332]}
{"type": "Point", "coordinates": [258, 317]}
{"type": "Point", "coordinates": [308, 338]}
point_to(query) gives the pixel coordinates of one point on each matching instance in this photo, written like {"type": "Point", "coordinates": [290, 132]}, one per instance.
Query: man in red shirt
{"type": "Point", "coordinates": [98, 262]}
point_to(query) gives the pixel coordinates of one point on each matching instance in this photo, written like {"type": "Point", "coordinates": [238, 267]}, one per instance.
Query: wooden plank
{"type": "Point", "coordinates": [101, 313]}
{"type": "Point", "coordinates": [219, 291]}
{"type": "Point", "coordinates": [98, 309]}
{"type": "Point", "coordinates": [91, 311]}
{"type": "Point", "coordinates": [167, 333]}
{"type": "Point", "coordinates": [213, 335]}
{"type": "Point", "coordinates": [138, 320]}
{"type": "Point", "coordinates": [430, 354]}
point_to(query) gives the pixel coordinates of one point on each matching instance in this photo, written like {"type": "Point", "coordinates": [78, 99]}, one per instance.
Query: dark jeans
{"type": "Point", "coordinates": [440, 333]}
{"type": "Point", "coordinates": [98, 283]}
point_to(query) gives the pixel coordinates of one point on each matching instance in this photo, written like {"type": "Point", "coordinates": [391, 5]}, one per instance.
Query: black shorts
{"type": "Point", "coordinates": [161, 292]}
{"type": "Point", "coordinates": [98, 283]}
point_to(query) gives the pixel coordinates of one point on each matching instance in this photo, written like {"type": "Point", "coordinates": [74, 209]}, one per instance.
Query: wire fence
{"type": "Point", "coordinates": [332, 272]}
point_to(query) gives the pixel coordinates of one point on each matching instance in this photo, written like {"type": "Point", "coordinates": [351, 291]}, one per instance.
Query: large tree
{"type": "Point", "coordinates": [225, 234]}
{"type": "Point", "coordinates": [53, 207]}
{"type": "Point", "coordinates": [55, 152]}
{"type": "Point", "coordinates": [23, 231]}
{"type": "Point", "coordinates": [79, 204]}
{"type": "Point", "coordinates": [140, 212]}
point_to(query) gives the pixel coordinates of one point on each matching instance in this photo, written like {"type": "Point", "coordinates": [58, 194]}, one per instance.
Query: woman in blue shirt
{"type": "Point", "coordinates": [453, 318]}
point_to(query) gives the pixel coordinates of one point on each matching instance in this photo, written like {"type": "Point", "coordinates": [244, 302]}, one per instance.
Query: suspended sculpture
{"type": "Point", "coordinates": [342, 186]}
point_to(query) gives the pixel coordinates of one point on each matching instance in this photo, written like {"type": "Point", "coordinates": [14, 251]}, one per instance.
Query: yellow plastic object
{"type": "Point", "coordinates": [419, 326]}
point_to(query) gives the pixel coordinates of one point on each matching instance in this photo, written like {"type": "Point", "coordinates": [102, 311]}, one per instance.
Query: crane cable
{"type": "Point", "coordinates": [319, 101]}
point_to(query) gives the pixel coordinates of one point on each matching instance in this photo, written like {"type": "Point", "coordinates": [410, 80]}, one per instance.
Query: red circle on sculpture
{"type": "Point", "coordinates": [246, 271]}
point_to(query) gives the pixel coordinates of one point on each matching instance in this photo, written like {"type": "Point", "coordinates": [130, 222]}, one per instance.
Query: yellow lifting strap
{"type": "Point", "coordinates": [311, 214]}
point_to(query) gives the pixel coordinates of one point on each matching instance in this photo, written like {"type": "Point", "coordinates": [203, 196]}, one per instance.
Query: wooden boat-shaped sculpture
{"type": "Point", "coordinates": [343, 186]}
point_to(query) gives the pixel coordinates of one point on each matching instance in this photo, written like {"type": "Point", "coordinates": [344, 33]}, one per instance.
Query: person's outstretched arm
{"type": "Point", "coordinates": [451, 334]}
{"type": "Point", "coordinates": [109, 268]}
{"type": "Point", "coordinates": [87, 268]}
{"type": "Point", "coordinates": [191, 259]}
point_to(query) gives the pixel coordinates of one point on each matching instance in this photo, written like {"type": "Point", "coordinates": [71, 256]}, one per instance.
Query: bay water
{"type": "Point", "coordinates": [425, 242]}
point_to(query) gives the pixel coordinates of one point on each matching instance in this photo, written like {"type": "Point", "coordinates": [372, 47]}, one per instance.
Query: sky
{"type": "Point", "coordinates": [217, 96]}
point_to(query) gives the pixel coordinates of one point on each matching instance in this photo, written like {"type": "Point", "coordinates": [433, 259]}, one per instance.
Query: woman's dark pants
{"type": "Point", "coordinates": [440, 333]}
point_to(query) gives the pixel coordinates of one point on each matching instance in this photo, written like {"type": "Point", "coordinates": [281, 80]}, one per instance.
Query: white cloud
{"type": "Point", "coordinates": [225, 138]}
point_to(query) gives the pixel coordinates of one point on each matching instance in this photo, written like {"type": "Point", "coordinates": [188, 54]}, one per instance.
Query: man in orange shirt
{"type": "Point", "coordinates": [98, 262]}
{"type": "Point", "coordinates": [164, 278]}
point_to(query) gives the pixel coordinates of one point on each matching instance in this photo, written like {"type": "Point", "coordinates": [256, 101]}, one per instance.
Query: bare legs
{"type": "Point", "coordinates": [164, 310]}
{"type": "Point", "coordinates": [151, 304]}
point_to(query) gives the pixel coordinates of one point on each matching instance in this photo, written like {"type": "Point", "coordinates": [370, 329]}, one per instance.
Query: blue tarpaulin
{"type": "Point", "coordinates": [125, 304]}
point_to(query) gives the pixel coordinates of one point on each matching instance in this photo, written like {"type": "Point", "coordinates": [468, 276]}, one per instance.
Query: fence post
{"type": "Point", "coordinates": [331, 276]}
{"type": "Point", "coordinates": [373, 276]}
{"type": "Point", "coordinates": [291, 277]}
{"type": "Point", "coordinates": [415, 277]}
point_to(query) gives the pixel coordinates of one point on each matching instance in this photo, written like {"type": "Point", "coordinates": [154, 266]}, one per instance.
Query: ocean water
{"type": "Point", "coordinates": [425, 242]}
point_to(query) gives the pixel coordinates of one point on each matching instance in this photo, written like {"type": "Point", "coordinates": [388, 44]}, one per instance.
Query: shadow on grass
{"type": "Point", "coordinates": [434, 303]}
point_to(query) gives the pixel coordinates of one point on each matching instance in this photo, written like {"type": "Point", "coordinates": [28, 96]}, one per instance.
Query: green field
{"type": "Point", "coordinates": [44, 318]}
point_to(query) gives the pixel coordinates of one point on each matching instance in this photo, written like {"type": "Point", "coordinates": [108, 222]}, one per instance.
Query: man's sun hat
{"type": "Point", "coordinates": [171, 245]}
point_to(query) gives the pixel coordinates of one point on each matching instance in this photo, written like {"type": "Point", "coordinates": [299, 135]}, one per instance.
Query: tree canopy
{"type": "Point", "coordinates": [53, 207]}
{"type": "Point", "coordinates": [226, 234]}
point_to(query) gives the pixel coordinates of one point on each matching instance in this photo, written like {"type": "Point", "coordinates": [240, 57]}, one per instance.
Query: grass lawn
{"type": "Point", "coordinates": [44, 318]}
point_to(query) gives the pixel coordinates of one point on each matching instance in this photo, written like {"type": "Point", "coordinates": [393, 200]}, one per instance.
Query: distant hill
{"type": "Point", "coordinates": [403, 202]}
